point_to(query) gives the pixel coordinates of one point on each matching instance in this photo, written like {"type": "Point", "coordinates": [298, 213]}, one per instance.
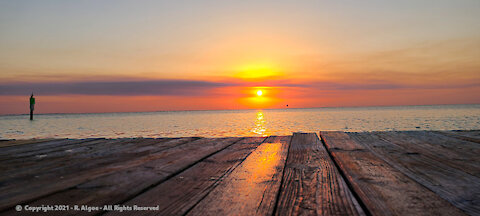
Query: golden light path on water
{"type": "Point", "coordinates": [260, 124]}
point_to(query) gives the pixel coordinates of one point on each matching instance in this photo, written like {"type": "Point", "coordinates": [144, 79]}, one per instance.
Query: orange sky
{"type": "Point", "coordinates": [99, 57]}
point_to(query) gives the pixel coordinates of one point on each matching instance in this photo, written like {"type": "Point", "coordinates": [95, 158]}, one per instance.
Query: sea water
{"type": "Point", "coordinates": [226, 123]}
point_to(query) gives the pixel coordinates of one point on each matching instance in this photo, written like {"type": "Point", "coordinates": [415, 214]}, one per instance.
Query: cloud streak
{"type": "Point", "coordinates": [128, 88]}
{"type": "Point", "coordinates": [197, 88]}
{"type": "Point", "coordinates": [387, 86]}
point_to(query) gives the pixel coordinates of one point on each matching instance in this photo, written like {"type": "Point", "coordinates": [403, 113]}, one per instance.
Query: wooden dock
{"type": "Point", "coordinates": [328, 173]}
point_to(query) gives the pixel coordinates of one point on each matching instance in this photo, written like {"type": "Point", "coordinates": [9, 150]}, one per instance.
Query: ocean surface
{"type": "Point", "coordinates": [240, 122]}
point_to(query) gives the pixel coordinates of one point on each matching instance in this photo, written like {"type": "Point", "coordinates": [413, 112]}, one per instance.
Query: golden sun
{"type": "Point", "coordinates": [259, 93]}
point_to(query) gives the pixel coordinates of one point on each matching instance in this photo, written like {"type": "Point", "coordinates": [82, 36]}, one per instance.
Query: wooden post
{"type": "Point", "coordinates": [32, 106]}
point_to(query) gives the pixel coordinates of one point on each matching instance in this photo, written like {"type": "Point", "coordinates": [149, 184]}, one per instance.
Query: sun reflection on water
{"type": "Point", "coordinates": [260, 123]}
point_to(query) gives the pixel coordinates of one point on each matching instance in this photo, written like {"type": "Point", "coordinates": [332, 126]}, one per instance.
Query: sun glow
{"type": "Point", "coordinates": [259, 93]}
{"type": "Point", "coordinates": [250, 98]}
{"type": "Point", "coordinates": [258, 72]}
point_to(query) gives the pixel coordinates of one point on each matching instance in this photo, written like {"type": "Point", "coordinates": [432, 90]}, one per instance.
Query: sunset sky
{"type": "Point", "coordinates": [115, 56]}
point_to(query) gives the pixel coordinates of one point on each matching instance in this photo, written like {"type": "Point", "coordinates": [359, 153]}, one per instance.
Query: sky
{"type": "Point", "coordinates": [129, 56]}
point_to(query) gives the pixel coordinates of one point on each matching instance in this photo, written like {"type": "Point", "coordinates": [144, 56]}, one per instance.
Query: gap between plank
{"type": "Point", "coordinates": [173, 174]}
{"type": "Point", "coordinates": [221, 178]}
{"type": "Point", "coordinates": [73, 186]}
{"type": "Point", "coordinates": [277, 200]}
{"type": "Point", "coordinates": [342, 174]}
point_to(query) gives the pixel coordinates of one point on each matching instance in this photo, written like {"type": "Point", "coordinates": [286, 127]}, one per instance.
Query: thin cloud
{"type": "Point", "coordinates": [383, 86]}
{"type": "Point", "coordinates": [128, 88]}
{"type": "Point", "coordinates": [377, 85]}
{"type": "Point", "coordinates": [194, 87]}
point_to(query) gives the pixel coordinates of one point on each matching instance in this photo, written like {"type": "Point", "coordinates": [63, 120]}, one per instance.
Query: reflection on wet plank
{"type": "Point", "coordinates": [335, 173]}
{"type": "Point", "coordinates": [252, 187]}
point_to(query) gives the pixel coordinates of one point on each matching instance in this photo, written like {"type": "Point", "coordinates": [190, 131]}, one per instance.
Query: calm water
{"type": "Point", "coordinates": [240, 122]}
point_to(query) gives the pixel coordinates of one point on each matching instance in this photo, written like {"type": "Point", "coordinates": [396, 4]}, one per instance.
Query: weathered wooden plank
{"type": "Point", "coordinates": [135, 175]}
{"type": "Point", "coordinates": [383, 189]}
{"type": "Point", "coordinates": [449, 154]}
{"type": "Point", "coordinates": [14, 192]}
{"type": "Point", "coordinates": [77, 154]}
{"type": "Point", "coordinates": [312, 184]}
{"type": "Point", "coordinates": [14, 164]}
{"type": "Point", "coordinates": [16, 173]}
{"type": "Point", "coordinates": [252, 188]}
{"type": "Point", "coordinates": [15, 143]}
{"type": "Point", "coordinates": [71, 146]}
{"type": "Point", "coordinates": [180, 193]}
{"type": "Point", "coordinates": [46, 148]}
{"type": "Point", "coordinates": [30, 149]}
{"type": "Point", "coordinates": [458, 187]}
{"type": "Point", "coordinates": [472, 136]}
{"type": "Point", "coordinates": [74, 159]}
{"type": "Point", "coordinates": [466, 148]}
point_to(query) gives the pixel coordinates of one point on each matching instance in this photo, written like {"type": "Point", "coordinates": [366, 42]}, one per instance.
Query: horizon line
{"type": "Point", "coordinates": [200, 110]}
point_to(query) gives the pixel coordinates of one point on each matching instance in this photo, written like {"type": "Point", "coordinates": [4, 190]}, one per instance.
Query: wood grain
{"type": "Point", "coordinates": [252, 188]}
{"type": "Point", "coordinates": [180, 193]}
{"type": "Point", "coordinates": [458, 187]}
{"type": "Point", "coordinates": [15, 143]}
{"type": "Point", "coordinates": [29, 188]}
{"type": "Point", "coordinates": [8, 153]}
{"type": "Point", "coordinates": [134, 175]}
{"type": "Point", "coordinates": [72, 158]}
{"type": "Point", "coordinates": [471, 136]}
{"type": "Point", "coordinates": [371, 173]}
{"type": "Point", "coordinates": [312, 184]}
{"type": "Point", "coordinates": [383, 189]}
{"type": "Point", "coordinates": [467, 148]}
{"type": "Point", "coordinates": [445, 150]}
